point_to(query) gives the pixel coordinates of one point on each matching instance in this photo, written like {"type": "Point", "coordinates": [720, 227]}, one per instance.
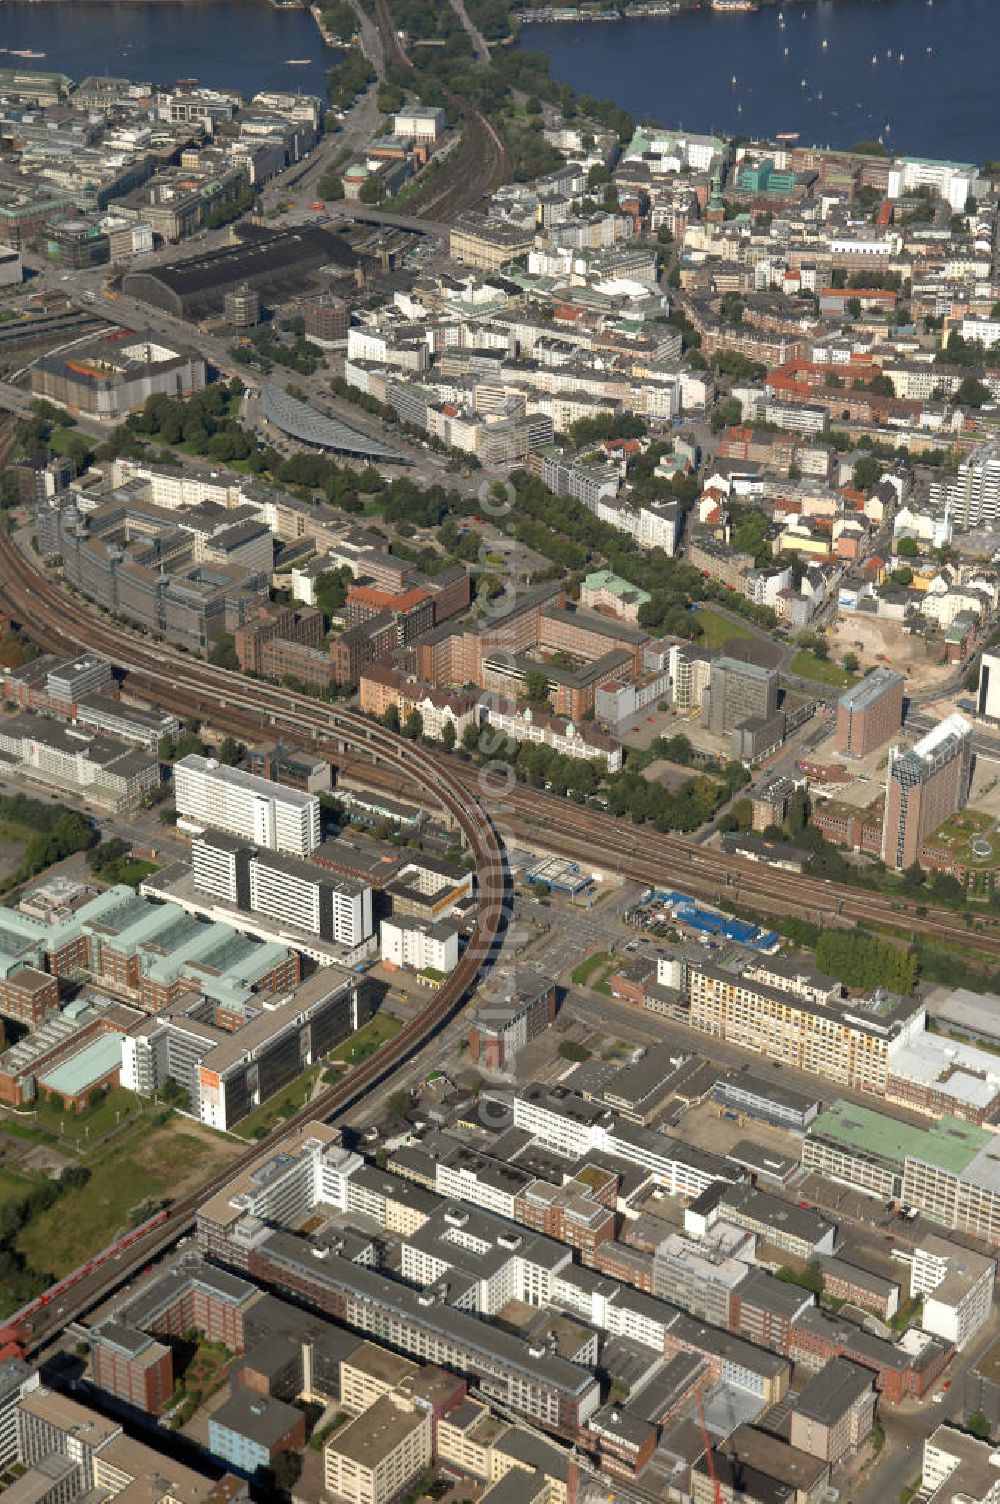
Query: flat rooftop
{"type": "Point", "coordinates": [948, 1144]}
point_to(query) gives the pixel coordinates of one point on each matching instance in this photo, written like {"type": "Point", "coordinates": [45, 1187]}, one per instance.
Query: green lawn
{"type": "Point", "coordinates": [823, 670]}
{"type": "Point", "coordinates": [593, 970]}
{"type": "Point", "coordinates": [12, 1186]}
{"type": "Point", "coordinates": [368, 1039]}
{"type": "Point", "coordinates": [289, 1099]}
{"type": "Point", "coordinates": [136, 1166]}
{"type": "Point", "coordinates": [717, 630]}
{"type": "Point", "coordinates": [105, 1114]}
{"type": "Point", "coordinates": [130, 871]}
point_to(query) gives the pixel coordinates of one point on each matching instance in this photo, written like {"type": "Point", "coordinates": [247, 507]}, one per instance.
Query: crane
{"type": "Point", "coordinates": [716, 1488]}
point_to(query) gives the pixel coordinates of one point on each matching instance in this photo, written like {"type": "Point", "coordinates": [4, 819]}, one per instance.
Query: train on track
{"type": "Point", "coordinates": [15, 1333]}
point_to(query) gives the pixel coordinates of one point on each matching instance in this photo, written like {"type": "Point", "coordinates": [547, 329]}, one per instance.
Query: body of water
{"type": "Point", "coordinates": [237, 44]}
{"type": "Point", "coordinates": [822, 68]}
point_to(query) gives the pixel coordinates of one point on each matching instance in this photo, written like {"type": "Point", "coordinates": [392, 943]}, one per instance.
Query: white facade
{"type": "Point", "coordinates": [420, 124]}
{"type": "Point", "coordinates": [262, 812]}
{"type": "Point", "coordinates": [954, 181]}
{"type": "Point", "coordinates": [416, 945]}
{"type": "Point", "coordinates": [982, 331]}
{"type": "Point", "coordinates": [957, 1286]}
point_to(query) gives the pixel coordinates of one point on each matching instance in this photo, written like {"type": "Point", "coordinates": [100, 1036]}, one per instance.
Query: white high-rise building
{"type": "Point", "coordinates": [264, 813]}
{"type": "Point", "coordinates": [282, 888]}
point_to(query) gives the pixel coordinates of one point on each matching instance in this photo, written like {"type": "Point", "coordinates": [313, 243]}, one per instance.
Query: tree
{"type": "Point", "coordinates": [107, 853]}
{"type": "Point", "coordinates": [231, 752]}
{"type": "Point", "coordinates": [413, 726]}
{"type": "Point", "coordinates": [972, 393]}
{"type": "Point", "coordinates": [470, 738]}
{"type": "Point", "coordinates": [853, 308]}
{"type": "Point", "coordinates": [977, 1425]}
{"type": "Point", "coordinates": [390, 718]}
{"type": "Point", "coordinates": [223, 653]}
{"type": "Point", "coordinates": [852, 662]}
{"type": "Point", "coordinates": [285, 1470]}
{"type": "Point", "coordinates": [448, 736]}
{"type": "Point", "coordinates": [809, 1278]}
{"type": "Point", "coordinates": [867, 473]}
{"type": "Point", "coordinates": [536, 687]}
{"type": "Point", "coordinates": [908, 548]}
{"type": "Point", "coordinates": [331, 589]}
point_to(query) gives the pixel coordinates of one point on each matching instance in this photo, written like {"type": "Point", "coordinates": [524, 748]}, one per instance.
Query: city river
{"type": "Point", "coordinates": [920, 74]}
{"type": "Point", "coordinates": [240, 44]}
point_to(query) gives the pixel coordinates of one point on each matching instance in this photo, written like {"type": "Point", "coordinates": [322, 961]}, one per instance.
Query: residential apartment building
{"type": "Point", "coordinates": [282, 888]}
{"type": "Point", "coordinates": [847, 1042]}
{"type": "Point", "coordinates": [263, 813]}
{"type": "Point", "coordinates": [415, 945]}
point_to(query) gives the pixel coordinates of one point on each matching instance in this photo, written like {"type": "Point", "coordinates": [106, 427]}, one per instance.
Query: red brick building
{"type": "Point", "coordinates": [132, 1366]}
{"type": "Point", "coordinates": [28, 996]}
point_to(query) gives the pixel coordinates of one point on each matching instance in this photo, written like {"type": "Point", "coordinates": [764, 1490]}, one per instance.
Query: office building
{"type": "Point", "coordinates": [958, 1468]}
{"type": "Point", "coordinates": [282, 888]}
{"type": "Point", "coordinates": [112, 377]}
{"type": "Point", "coordinates": [947, 1171]}
{"type": "Point", "coordinates": [16, 1377]}
{"type": "Point", "coordinates": [832, 1417]}
{"type": "Point", "coordinates": [130, 1364]}
{"type": "Point", "coordinates": [28, 996]}
{"type": "Point", "coordinates": [517, 1008]}
{"type": "Point", "coordinates": [923, 787]}
{"type": "Point", "coordinates": [230, 1059]}
{"type": "Point", "coordinates": [739, 692]}
{"type": "Point", "coordinates": [262, 812]}
{"type": "Point", "coordinates": [105, 771]}
{"type": "Point", "coordinates": [988, 697]}
{"type": "Point", "coordinates": [326, 319]}
{"type": "Point", "coordinates": [250, 1429]}
{"type": "Point", "coordinates": [488, 244]}
{"type": "Point", "coordinates": [379, 1453]}
{"type": "Point", "coordinates": [870, 713]}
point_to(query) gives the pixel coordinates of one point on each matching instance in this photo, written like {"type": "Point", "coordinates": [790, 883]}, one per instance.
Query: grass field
{"type": "Point", "coordinates": [104, 1115]}
{"type": "Point", "coordinates": [592, 971]}
{"type": "Point", "coordinates": [716, 629]}
{"type": "Point", "coordinates": [367, 1039]}
{"type": "Point", "coordinates": [823, 670]}
{"type": "Point", "coordinates": [136, 1166]}
{"type": "Point", "coordinates": [13, 840]}
{"type": "Point", "coordinates": [13, 1187]}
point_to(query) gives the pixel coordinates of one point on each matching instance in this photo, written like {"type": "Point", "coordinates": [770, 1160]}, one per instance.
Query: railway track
{"type": "Point", "coordinates": [482, 160]}
{"type": "Point", "coordinates": [169, 679]}
{"type": "Point", "coordinates": [246, 708]}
